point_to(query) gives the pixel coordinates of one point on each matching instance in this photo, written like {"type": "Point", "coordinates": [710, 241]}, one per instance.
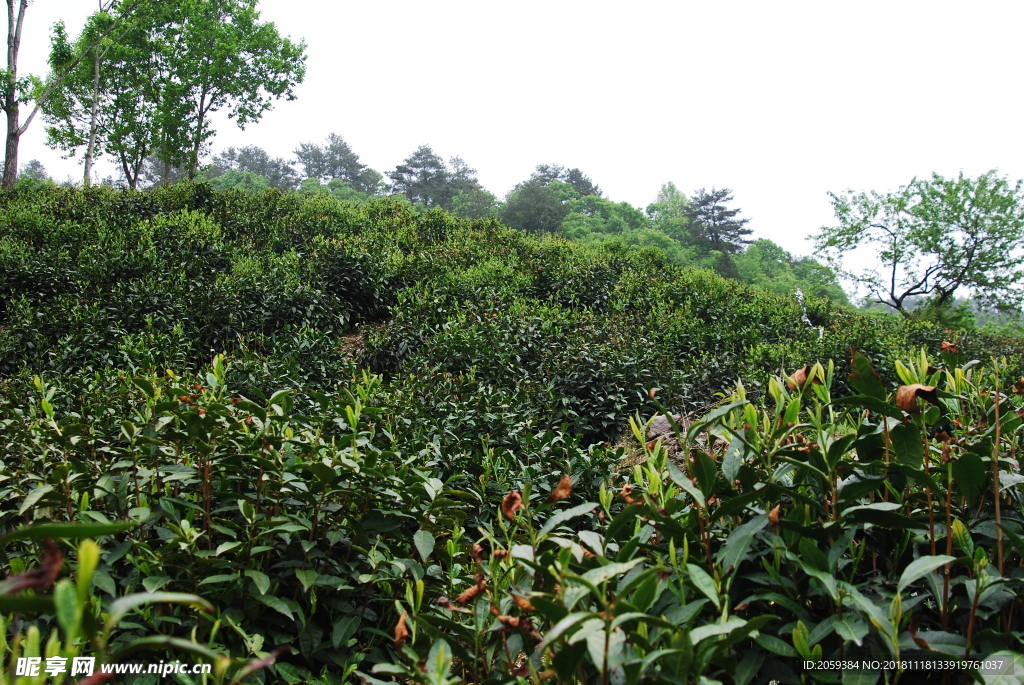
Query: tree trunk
{"type": "Point", "coordinates": [193, 162]}
{"type": "Point", "coordinates": [10, 178]}
{"type": "Point", "coordinates": [10, 104]}
{"type": "Point", "coordinates": [90, 150]}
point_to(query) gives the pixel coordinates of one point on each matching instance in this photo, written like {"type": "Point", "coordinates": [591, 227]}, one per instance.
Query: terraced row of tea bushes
{"type": "Point", "coordinates": [299, 292]}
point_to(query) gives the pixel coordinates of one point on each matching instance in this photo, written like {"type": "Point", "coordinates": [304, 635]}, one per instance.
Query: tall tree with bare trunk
{"type": "Point", "coordinates": [18, 91]}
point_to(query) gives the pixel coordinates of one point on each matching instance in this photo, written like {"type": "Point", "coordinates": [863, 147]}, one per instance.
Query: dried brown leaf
{"type": "Point", "coordinates": [774, 515]}
{"type": "Point", "coordinates": [39, 579]}
{"type": "Point", "coordinates": [562, 490]}
{"type": "Point", "coordinates": [626, 490]}
{"type": "Point", "coordinates": [510, 505]}
{"type": "Point", "coordinates": [469, 593]}
{"type": "Point", "coordinates": [401, 630]}
{"type": "Point", "coordinates": [798, 378]}
{"type": "Point", "coordinates": [523, 603]}
{"type": "Point", "coordinates": [906, 396]}
{"type": "Point", "coordinates": [508, 622]}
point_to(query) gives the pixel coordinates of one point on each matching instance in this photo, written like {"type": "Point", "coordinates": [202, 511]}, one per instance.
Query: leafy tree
{"type": "Point", "coordinates": [18, 91]}
{"type": "Point", "coordinates": [223, 58]}
{"type": "Point", "coordinates": [766, 265]}
{"type": "Point", "coordinates": [581, 184]}
{"type": "Point", "coordinates": [933, 237]}
{"type": "Point", "coordinates": [336, 187]}
{"type": "Point", "coordinates": [712, 226]}
{"type": "Point", "coordinates": [725, 265]}
{"type": "Point", "coordinates": [818, 280]}
{"type": "Point", "coordinates": [476, 203]}
{"type": "Point", "coordinates": [668, 213]}
{"type": "Point", "coordinates": [335, 159]}
{"type": "Point", "coordinates": [251, 158]}
{"type": "Point", "coordinates": [234, 179]}
{"type": "Point", "coordinates": [153, 172]}
{"type": "Point", "coordinates": [534, 207]}
{"type": "Point", "coordinates": [423, 178]}
{"type": "Point", "coordinates": [162, 78]}
{"type": "Point", "coordinates": [541, 203]}
{"type": "Point", "coordinates": [115, 101]}
{"type": "Point", "coordinates": [73, 108]}
{"type": "Point", "coordinates": [550, 173]}
{"type": "Point", "coordinates": [594, 214]}
{"type": "Point", "coordinates": [34, 170]}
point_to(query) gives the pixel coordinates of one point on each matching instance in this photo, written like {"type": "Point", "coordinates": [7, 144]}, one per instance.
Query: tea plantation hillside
{"type": "Point", "coordinates": [392, 442]}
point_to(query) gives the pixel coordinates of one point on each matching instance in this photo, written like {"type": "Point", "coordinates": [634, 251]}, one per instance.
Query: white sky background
{"type": "Point", "coordinates": [781, 102]}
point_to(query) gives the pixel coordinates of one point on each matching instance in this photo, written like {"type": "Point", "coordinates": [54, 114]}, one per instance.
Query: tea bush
{"type": "Point", "coordinates": [398, 461]}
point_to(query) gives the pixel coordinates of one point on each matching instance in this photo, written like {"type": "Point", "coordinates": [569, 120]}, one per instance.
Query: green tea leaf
{"type": "Point", "coordinates": [906, 443]}
{"type": "Point", "coordinates": [261, 580]}
{"type": "Point", "coordinates": [703, 582]}
{"type": "Point", "coordinates": [565, 515]}
{"type": "Point", "coordinates": [864, 377]}
{"type": "Point", "coordinates": [275, 603]}
{"type": "Point", "coordinates": [65, 601]}
{"type": "Point", "coordinates": [120, 607]}
{"type": "Point", "coordinates": [307, 578]}
{"type": "Point", "coordinates": [706, 471]}
{"type": "Point", "coordinates": [33, 498]}
{"type": "Point", "coordinates": [66, 531]}
{"type": "Point", "coordinates": [609, 571]}
{"type": "Point", "coordinates": [424, 542]}
{"type": "Point", "coordinates": [921, 567]}
{"type": "Point", "coordinates": [732, 460]}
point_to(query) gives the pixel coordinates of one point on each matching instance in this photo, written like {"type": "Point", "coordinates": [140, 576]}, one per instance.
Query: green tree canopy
{"type": "Point", "coordinates": [550, 173]}
{"type": "Point", "coordinates": [34, 170]}
{"type": "Point", "coordinates": [251, 158]}
{"type": "Point", "coordinates": [933, 237]}
{"type": "Point", "coordinates": [162, 77]}
{"type": "Point", "coordinates": [535, 207]}
{"type": "Point", "coordinates": [669, 211]}
{"type": "Point", "coordinates": [542, 202]}
{"type": "Point", "coordinates": [766, 265]}
{"type": "Point", "coordinates": [234, 179]}
{"type": "Point", "coordinates": [110, 98]}
{"type": "Point", "coordinates": [594, 214]}
{"type": "Point", "coordinates": [424, 179]}
{"type": "Point", "coordinates": [336, 187]}
{"type": "Point", "coordinates": [335, 159]}
{"type": "Point", "coordinates": [712, 225]}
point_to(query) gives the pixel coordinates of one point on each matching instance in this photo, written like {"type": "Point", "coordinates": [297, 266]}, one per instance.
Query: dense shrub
{"type": "Point", "coordinates": [381, 380]}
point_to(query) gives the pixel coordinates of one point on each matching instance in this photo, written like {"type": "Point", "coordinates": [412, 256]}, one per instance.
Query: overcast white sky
{"type": "Point", "coordinates": [781, 102]}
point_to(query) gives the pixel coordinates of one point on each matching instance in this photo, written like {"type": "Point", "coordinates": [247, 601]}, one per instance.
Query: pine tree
{"type": "Point", "coordinates": [712, 226]}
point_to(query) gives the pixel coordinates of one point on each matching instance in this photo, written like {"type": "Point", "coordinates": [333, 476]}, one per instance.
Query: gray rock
{"type": "Point", "coordinates": [661, 428]}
